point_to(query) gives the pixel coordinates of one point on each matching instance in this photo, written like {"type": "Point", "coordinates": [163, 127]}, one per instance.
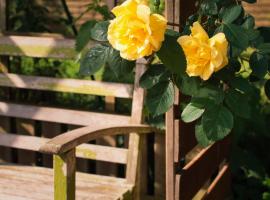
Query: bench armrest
{"type": "Point", "coordinates": [71, 139]}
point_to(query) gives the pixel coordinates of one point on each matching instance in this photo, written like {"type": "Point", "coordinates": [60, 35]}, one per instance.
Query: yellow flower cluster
{"type": "Point", "coordinates": [204, 56]}
{"type": "Point", "coordinates": [135, 32]}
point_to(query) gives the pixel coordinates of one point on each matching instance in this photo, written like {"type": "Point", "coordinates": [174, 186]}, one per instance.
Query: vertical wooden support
{"type": "Point", "coordinates": [64, 176]}
{"type": "Point", "coordinates": [136, 142]}
{"type": "Point", "coordinates": [104, 168]}
{"type": "Point", "coordinates": [26, 127]}
{"type": "Point", "coordinates": [49, 130]}
{"type": "Point", "coordinates": [159, 150]}
{"type": "Point", "coordinates": [82, 165]}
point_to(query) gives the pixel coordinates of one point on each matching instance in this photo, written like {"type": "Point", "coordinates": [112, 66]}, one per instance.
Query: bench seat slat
{"type": "Point", "coordinates": [37, 183]}
{"type": "Point", "coordinates": [66, 85]}
{"type": "Point", "coordinates": [89, 151]}
{"type": "Point", "coordinates": [58, 115]}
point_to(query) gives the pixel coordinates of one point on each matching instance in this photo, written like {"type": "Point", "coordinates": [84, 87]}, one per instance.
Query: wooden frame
{"type": "Point", "coordinates": [64, 147]}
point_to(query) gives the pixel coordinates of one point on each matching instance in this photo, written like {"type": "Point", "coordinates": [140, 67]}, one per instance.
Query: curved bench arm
{"type": "Point", "coordinates": [71, 139]}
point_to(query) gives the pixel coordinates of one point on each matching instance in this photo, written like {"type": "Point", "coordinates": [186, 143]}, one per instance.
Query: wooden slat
{"type": "Point", "coordinates": [88, 151]}
{"type": "Point", "coordinates": [36, 183]}
{"type": "Point", "coordinates": [49, 130]}
{"type": "Point", "coordinates": [41, 47]}
{"type": "Point", "coordinates": [82, 118]}
{"type": "Point", "coordinates": [5, 153]}
{"type": "Point", "coordinates": [66, 85]}
{"type": "Point", "coordinates": [26, 127]}
{"type": "Point", "coordinates": [220, 187]}
{"type": "Point", "coordinates": [192, 176]}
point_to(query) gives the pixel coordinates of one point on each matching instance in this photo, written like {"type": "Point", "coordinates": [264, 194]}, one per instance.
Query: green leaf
{"type": "Point", "coordinates": [233, 33]}
{"type": "Point", "coordinates": [153, 75]}
{"type": "Point", "coordinates": [193, 110]}
{"type": "Point", "coordinates": [118, 65]}
{"type": "Point", "coordinates": [201, 136]}
{"type": "Point", "coordinates": [267, 88]}
{"type": "Point", "coordinates": [212, 93]}
{"type": "Point", "coordinates": [99, 31]}
{"type": "Point", "coordinates": [160, 98]}
{"type": "Point", "coordinates": [84, 35]}
{"type": "Point", "coordinates": [94, 59]}
{"type": "Point", "coordinates": [172, 55]}
{"type": "Point", "coordinates": [241, 84]}
{"type": "Point", "coordinates": [217, 122]}
{"type": "Point", "coordinates": [259, 64]}
{"type": "Point", "coordinates": [238, 103]}
{"type": "Point", "coordinates": [188, 85]}
{"type": "Point", "coordinates": [264, 48]}
{"type": "Point", "coordinates": [209, 7]}
{"type": "Point", "coordinates": [230, 14]}
{"type": "Point", "coordinates": [249, 22]}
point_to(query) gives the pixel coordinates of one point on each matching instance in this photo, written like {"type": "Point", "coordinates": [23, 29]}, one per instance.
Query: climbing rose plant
{"type": "Point", "coordinates": [217, 60]}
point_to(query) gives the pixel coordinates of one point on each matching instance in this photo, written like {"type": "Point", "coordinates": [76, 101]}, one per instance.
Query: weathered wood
{"type": "Point", "coordinates": [5, 153]}
{"type": "Point", "coordinates": [49, 130]}
{"type": "Point", "coordinates": [159, 151]}
{"type": "Point", "coordinates": [88, 151]}
{"type": "Point", "coordinates": [101, 167]}
{"type": "Point", "coordinates": [170, 171]}
{"type": "Point", "coordinates": [220, 187]}
{"type": "Point", "coordinates": [58, 115]}
{"type": "Point", "coordinates": [71, 139]}
{"type": "Point", "coordinates": [66, 85]}
{"type": "Point", "coordinates": [136, 142]}
{"type": "Point", "coordinates": [42, 47]}
{"type": "Point", "coordinates": [36, 183]}
{"type": "Point", "coordinates": [64, 176]}
{"type": "Point", "coordinates": [26, 127]}
{"type": "Point", "coordinates": [192, 177]}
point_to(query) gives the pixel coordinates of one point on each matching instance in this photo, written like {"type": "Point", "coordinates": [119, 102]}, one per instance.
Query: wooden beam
{"type": "Point", "coordinates": [64, 176]}
{"type": "Point", "coordinates": [66, 85]}
{"type": "Point", "coordinates": [41, 47]}
{"type": "Point", "coordinates": [65, 116]}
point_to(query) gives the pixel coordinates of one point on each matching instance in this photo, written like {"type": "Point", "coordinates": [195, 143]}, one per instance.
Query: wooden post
{"type": "Point", "coordinates": [136, 142]}
{"type": "Point", "coordinates": [64, 176]}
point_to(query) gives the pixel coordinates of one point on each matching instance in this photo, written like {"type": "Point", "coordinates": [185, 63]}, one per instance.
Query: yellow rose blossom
{"type": "Point", "coordinates": [135, 32]}
{"type": "Point", "coordinates": [204, 56]}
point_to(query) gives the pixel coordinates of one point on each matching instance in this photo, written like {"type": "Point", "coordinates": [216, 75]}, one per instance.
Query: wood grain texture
{"type": "Point", "coordinates": [41, 47]}
{"type": "Point", "coordinates": [220, 188]}
{"type": "Point", "coordinates": [58, 115]}
{"type": "Point", "coordinates": [36, 183]}
{"type": "Point", "coordinates": [66, 85]}
{"type": "Point", "coordinates": [88, 151]}
{"type": "Point", "coordinates": [137, 143]}
{"type": "Point", "coordinates": [192, 176]}
{"type": "Point", "coordinates": [71, 139]}
{"type": "Point", "coordinates": [49, 130]}
{"type": "Point", "coordinates": [64, 166]}
{"type": "Point", "coordinates": [26, 127]}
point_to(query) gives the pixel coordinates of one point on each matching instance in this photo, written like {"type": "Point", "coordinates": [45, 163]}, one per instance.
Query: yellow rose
{"type": "Point", "coordinates": [135, 32]}
{"type": "Point", "coordinates": [204, 56]}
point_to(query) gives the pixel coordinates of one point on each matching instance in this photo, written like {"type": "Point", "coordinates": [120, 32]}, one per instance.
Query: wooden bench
{"type": "Point", "coordinates": [20, 182]}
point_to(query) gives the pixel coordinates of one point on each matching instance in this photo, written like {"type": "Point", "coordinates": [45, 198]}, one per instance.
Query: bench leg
{"type": "Point", "coordinates": [64, 176]}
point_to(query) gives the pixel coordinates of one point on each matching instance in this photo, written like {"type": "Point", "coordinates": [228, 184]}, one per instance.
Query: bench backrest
{"type": "Point", "coordinates": [58, 47]}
